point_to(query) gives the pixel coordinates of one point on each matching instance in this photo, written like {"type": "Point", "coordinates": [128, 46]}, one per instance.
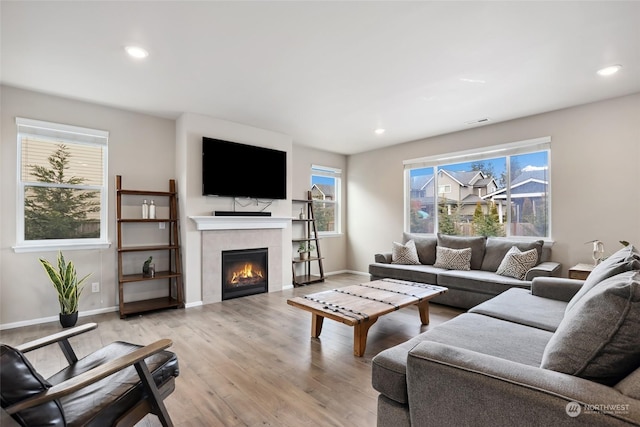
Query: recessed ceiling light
{"type": "Point", "coordinates": [379, 131]}
{"type": "Point", "coordinates": [607, 71]}
{"type": "Point", "coordinates": [136, 52]}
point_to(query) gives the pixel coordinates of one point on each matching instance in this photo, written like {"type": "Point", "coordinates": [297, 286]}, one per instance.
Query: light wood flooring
{"type": "Point", "coordinates": [251, 361]}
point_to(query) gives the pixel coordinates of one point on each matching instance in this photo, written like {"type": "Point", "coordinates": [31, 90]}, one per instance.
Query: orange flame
{"type": "Point", "coordinates": [246, 272]}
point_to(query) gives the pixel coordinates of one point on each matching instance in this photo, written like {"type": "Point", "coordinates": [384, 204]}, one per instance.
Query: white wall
{"type": "Point", "coordinates": [595, 160]}
{"type": "Point", "coordinates": [141, 149]}
{"type": "Point", "coordinates": [190, 128]}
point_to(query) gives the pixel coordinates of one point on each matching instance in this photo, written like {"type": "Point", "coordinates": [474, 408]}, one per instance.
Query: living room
{"type": "Point", "coordinates": [595, 153]}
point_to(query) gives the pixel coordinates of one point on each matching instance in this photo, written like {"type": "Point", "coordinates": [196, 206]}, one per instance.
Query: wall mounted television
{"type": "Point", "coordinates": [232, 169]}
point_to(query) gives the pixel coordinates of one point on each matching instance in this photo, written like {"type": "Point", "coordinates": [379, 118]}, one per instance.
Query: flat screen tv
{"type": "Point", "coordinates": [231, 169]}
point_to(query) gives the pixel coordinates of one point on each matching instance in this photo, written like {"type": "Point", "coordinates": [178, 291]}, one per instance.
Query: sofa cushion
{"type": "Point", "coordinates": [480, 282]}
{"type": "Point", "coordinates": [520, 306]}
{"type": "Point", "coordinates": [625, 259]}
{"type": "Point", "coordinates": [598, 338]}
{"type": "Point", "coordinates": [470, 331]}
{"type": "Point", "coordinates": [516, 264]}
{"type": "Point", "coordinates": [630, 385]}
{"type": "Point", "coordinates": [453, 259]}
{"type": "Point", "coordinates": [404, 254]}
{"type": "Point", "coordinates": [476, 244]}
{"type": "Point", "coordinates": [413, 273]}
{"type": "Point", "coordinates": [20, 381]}
{"type": "Point", "coordinates": [496, 249]}
{"type": "Point", "coordinates": [425, 246]}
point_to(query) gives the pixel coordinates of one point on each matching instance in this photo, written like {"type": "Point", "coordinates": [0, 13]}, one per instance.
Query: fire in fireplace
{"type": "Point", "coordinates": [244, 272]}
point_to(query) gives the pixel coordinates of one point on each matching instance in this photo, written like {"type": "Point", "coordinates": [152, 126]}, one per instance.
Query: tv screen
{"type": "Point", "coordinates": [232, 169]}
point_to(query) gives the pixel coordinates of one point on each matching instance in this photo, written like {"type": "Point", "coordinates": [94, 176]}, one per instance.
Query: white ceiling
{"type": "Point", "coordinates": [327, 73]}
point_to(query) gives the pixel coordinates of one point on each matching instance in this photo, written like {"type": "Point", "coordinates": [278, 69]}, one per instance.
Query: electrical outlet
{"type": "Point", "coordinates": [162, 225]}
{"type": "Point", "coordinates": [95, 287]}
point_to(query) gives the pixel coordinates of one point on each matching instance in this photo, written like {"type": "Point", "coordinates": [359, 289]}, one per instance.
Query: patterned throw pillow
{"type": "Point", "coordinates": [516, 264]}
{"type": "Point", "coordinates": [404, 254]}
{"type": "Point", "coordinates": [453, 259]}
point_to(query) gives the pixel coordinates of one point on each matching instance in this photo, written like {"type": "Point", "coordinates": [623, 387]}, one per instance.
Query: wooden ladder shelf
{"type": "Point", "coordinates": [125, 225]}
{"type": "Point", "coordinates": [309, 237]}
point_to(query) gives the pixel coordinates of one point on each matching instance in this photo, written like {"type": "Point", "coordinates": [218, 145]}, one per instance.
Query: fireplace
{"type": "Point", "coordinates": [244, 272]}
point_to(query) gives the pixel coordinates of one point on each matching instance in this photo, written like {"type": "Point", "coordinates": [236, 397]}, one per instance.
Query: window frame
{"type": "Point", "coordinates": [336, 174]}
{"type": "Point", "coordinates": [506, 150]}
{"type": "Point", "coordinates": [68, 135]}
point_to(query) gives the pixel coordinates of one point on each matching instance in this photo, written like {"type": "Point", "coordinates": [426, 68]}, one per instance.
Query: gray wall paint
{"type": "Point", "coordinates": [595, 158]}
{"type": "Point", "coordinates": [333, 248]}
{"type": "Point", "coordinates": [141, 149]}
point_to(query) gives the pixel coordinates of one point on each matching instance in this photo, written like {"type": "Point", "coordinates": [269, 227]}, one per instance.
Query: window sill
{"type": "Point", "coordinates": [60, 247]}
{"type": "Point", "coordinates": [329, 234]}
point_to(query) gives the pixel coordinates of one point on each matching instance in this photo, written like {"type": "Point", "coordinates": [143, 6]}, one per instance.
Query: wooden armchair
{"type": "Point", "coordinates": [116, 385]}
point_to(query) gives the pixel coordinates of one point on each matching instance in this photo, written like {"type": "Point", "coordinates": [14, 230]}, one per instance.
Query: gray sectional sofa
{"type": "Point", "coordinates": [565, 353]}
{"type": "Point", "coordinates": [467, 288]}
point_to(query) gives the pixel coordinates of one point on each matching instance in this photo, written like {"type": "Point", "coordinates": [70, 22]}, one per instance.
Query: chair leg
{"type": "Point", "coordinates": [154, 395]}
{"type": "Point", "coordinates": [68, 351]}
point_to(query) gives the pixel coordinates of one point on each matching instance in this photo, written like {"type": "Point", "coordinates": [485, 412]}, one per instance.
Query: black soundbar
{"type": "Point", "coordinates": [240, 213]}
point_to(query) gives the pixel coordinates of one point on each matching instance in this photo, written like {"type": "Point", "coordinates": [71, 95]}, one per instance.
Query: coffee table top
{"type": "Point", "coordinates": [353, 304]}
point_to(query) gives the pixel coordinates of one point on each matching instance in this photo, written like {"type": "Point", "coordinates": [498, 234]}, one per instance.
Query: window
{"type": "Point", "coordinates": [444, 189]}
{"type": "Point", "coordinates": [62, 194]}
{"type": "Point", "coordinates": [500, 191]}
{"type": "Point", "coordinates": [325, 191]}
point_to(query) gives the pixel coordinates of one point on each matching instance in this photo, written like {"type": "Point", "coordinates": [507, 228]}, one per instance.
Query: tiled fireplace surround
{"type": "Point", "coordinates": [233, 235]}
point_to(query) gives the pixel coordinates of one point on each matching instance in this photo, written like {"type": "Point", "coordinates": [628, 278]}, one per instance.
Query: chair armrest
{"type": "Point", "coordinates": [384, 257]}
{"type": "Point", "coordinates": [544, 269]}
{"type": "Point", "coordinates": [440, 377]}
{"type": "Point", "coordinates": [54, 338]}
{"type": "Point", "coordinates": [89, 377]}
{"type": "Point", "coordinates": [557, 288]}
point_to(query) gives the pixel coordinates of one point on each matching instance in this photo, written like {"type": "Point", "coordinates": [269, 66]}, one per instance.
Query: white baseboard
{"type": "Point", "coordinates": [41, 320]}
{"type": "Point", "coordinates": [359, 273]}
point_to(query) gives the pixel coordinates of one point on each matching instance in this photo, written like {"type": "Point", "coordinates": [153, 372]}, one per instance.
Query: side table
{"type": "Point", "coordinates": [580, 271]}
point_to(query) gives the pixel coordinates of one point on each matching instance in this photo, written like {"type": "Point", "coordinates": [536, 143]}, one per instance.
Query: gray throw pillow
{"type": "Point", "coordinates": [497, 247]}
{"type": "Point", "coordinates": [598, 339]}
{"type": "Point", "coordinates": [453, 259]}
{"type": "Point", "coordinates": [516, 264]}
{"type": "Point", "coordinates": [404, 254]}
{"type": "Point", "coordinates": [425, 245]}
{"type": "Point", "coordinates": [625, 259]}
{"type": "Point", "coordinates": [476, 244]}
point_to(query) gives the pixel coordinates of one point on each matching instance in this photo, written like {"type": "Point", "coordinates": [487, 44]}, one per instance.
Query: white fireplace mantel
{"type": "Point", "coordinates": [239, 222]}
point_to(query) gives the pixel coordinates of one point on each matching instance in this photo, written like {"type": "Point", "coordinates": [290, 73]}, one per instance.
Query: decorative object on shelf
{"type": "Point", "coordinates": [598, 251]}
{"type": "Point", "coordinates": [304, 249]}
{"type": "Point", "coordinates": [145, 210]}
{"type": "Point", "coordinates": [146, 268]}
{"type": "Point", "coordinates": [302, 214]}
{"type": "Point", "coordinates": [68, 286]}
{"type": "Point", "coordinates": [152, 210]}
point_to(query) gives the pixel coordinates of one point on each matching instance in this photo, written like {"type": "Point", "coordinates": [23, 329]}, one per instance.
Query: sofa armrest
{"type": "Point", "coordinates": [453, 386]}
{"type": "Point", "coordinates": [544, 269]}
{"type": "Point", "coordinates": [384, 257]}
{"type": "Point", "coordinates": [555, 288]}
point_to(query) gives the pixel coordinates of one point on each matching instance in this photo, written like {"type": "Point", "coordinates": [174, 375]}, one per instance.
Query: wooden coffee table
{"type": "Point", "coordinates": [361, 305]}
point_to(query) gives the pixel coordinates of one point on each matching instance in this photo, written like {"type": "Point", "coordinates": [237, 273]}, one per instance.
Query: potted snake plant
{"type": "Point", "coordinates": [64, 279]}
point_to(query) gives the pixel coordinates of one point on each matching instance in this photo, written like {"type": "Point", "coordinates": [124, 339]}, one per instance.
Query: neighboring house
{"type": "Point", "coordinates": [529, 191]}
{"type": "Point", "coordinates": [323, 192]}
{"type": "Point", "coordinates": [466, 189]}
